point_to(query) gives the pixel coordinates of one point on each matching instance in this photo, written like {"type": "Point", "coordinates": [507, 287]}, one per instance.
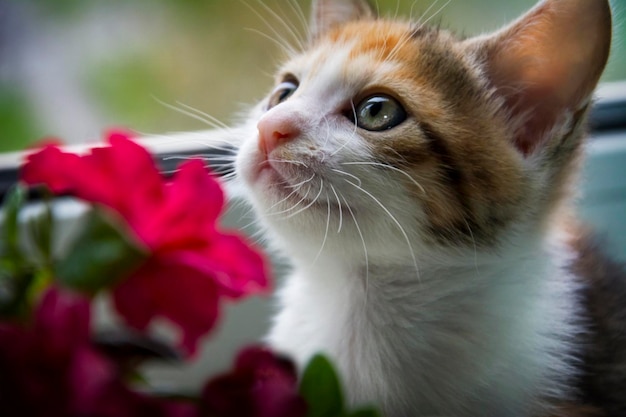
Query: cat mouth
{"type": "Point", "coordinates": [290, 184]}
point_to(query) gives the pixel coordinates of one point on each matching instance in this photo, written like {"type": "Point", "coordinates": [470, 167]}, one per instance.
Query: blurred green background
{"type": "Point", "coordinates": [71, 68]}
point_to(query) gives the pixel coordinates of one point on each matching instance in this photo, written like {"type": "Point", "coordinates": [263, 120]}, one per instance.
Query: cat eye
{"type": "Point", "coordinates": [378, 113]}
{"type": "Point", "coordinates": [282, 92]}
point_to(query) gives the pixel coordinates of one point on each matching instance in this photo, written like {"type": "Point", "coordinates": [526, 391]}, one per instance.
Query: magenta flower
{"type": "Point", "coordinates": [49, 368]}
{"type": "Point", "coordinates": [261, 385]}
{"type": "Point", "coordinates": [190, 264]}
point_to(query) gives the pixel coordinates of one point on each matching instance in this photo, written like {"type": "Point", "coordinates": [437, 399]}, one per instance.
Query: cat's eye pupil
{"type": "Point", "coordinates": [374, 108]}
{"type": "Point", "coordinates": [285, 93]}
{"type": "Point", "coordinates": [378, 113]}
{"type": "Point", "coordinates": [282, 92]}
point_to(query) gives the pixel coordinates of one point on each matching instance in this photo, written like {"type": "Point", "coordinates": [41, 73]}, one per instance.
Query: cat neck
{"type": "Point", "coordinates": [453, 327]}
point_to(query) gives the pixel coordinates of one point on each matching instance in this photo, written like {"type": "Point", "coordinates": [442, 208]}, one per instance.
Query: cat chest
{"type": "Point", "coordinates": [409, 349]}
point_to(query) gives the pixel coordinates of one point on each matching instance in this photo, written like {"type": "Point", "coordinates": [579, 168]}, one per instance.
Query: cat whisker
{"type": "Point", "coordinates": [239, 203]}
{"type": "Point", "coordinates": [221, 164]}
{"type": "Point", "coordinates": [209, 122]}
{"type": "Point", "coordinates": [257, 234]}
{"type": "Point", "coordinates": [319, 253]}
{"type": "Point", "coordinates": [391, 167]}
{"type": "Point", "coordinates": [365, 252]}
{"type": "Point", "coordinates": [289, 161]}
{"type": "Point", "coordinates": [356, 126]}
{"type": "Point", "coordinates": [213, 168]}
{"type": "Point", "coordinates": [295, 206]}
{"type": "Point", "coordinates": [279, 40]}
{"type": "Point", "coordinates": [428, 9]}
{"type": "Point", "coordinates": [170, 172]}
{"type": "Point", "coordinates": [393, 219]}
{"type": "Point", "coordinates": [204, 157]}
{"type": "Point", "coordinates": [394, 52]}
{"type": "Point", "coordinates": [217, 167]}
{"type": "Point", "coordinates": [207, 116]}
{"type": "Point", "coordinates": [381, 54]}
{"type": "Point", "coordinates": [226, 179]}
{"type": "Point", "coordinates": [397, 12]}
{"type": "Point", "coordinates": [291, 29]}
{"type": "Point", "coordinates": [283, 200]}
{"type": "Point", "coordinates": [226, 147]}
{"type": "Point", "coordinates": [310, 203]}
{"type": "Point", "coordinates": [249, 214]}
{"type": "Point", "coordinates": [259, 237]}
{"type": "Point", "coordinates": [425, 22]}
{"type": "Point", "coordinates": [215, 162]}
{"type": "Point", "coordinates": [377, 7]}
{"type": "Point", "coordinates": [254, 223]}
{"type": "Point", "coordinates": [396, 49]}
{"type": "Point", "coordinates": [354, 132]}
{"type": "Point", "coordinates": [412, 9]}
{"type": "Point", "coordinates": [280, 43]}
{"type": "Point", "coordinates": [338, 171]}
{"type": "Point", "coordinates": [295, 7]}
{"type": "Point", "coordinates": [400, 157]}
{"type": "Point", "coordinates": [177, 158]}
{"type": "Point", "coordinates": [347, 142]}
{"type": "Point", "coordinates": [332, 188]}
{"type": "Point", "coordinates": [300, 184]}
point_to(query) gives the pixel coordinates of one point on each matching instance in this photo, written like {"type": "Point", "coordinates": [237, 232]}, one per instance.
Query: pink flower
{"type": "Point", "coordinates": [261, 385]}
{"type": "Point", "coordinates": [50, 368]}
{"type": "Point", "coordinates": [191, 262]}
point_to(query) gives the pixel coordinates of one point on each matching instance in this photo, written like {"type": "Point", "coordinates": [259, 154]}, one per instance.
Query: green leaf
{"type": "Point", "coordinates": [99, 257]}
{"type": "Point", "coordinates": [321, 389]}
{"type": "Point", "coordinates": [41, 231]}
{"type": "Point", "coordinates": [16, 272]}
{"type": "Point", "coordinates": [10, 227]}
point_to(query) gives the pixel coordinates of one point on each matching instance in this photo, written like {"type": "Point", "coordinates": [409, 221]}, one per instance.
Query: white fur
{"type": "Point", "coordinates": [488, 339]}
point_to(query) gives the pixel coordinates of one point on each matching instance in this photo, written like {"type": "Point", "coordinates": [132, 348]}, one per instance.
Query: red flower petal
{"type": "Point", "coordinates": [43, 168]}
{"type": "Point", "coordinates": [126, 179]}
{"type": "Point", "coordinates": [165, 288]}
{"type": "Point", "coordinates": [90, 375]}
{"type": "Point", "coordinates": [234, 265]}
{"type": "Point", "coordinates": [189, 210]}
{"type": "Point", "coordinates": [62, 320]}
{"type": "Point", "coordinates": [261, 385]}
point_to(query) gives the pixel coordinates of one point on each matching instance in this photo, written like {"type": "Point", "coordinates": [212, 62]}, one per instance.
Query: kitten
{"type": "Point", "coordinates": [421, 185]}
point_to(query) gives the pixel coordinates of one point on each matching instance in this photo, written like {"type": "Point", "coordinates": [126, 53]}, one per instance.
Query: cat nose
{"type": "Point", "coordinates": [276, 129]}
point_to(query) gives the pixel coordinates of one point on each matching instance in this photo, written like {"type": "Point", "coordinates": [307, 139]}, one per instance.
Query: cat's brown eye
{"type": "Point", "coordinates": [282, 92]}
{"type": "Point", "coordinates": [378, 113]}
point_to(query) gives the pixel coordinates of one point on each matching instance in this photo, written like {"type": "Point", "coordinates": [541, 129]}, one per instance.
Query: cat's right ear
{"type": "Point", "coordinates": [327, 14]}
{"type": "Point", "coordinates": [547, 64]}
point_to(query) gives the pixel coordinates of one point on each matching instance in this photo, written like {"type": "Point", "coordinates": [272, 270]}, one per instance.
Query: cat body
{"type": "Point", "coordinates": [478, 344]}
{"type": "Point", "coordinates": [420, 185]}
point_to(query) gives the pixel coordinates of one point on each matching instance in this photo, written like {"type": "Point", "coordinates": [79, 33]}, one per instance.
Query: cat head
{"type": "Point", "coordinates": [398, 137]}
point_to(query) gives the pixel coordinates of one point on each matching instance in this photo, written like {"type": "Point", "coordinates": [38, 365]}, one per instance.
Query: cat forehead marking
{"type": "Point", "coordinates": [380, 39]}
{"type": "Point", "coordinates": [356, 56]}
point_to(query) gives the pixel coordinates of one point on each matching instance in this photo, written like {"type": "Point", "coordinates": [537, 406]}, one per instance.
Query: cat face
{"type": "Point", "coordinates": [389, 134]}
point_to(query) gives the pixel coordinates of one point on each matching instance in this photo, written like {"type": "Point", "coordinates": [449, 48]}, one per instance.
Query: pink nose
{"type": "Point", "coordinates": [276, 129]}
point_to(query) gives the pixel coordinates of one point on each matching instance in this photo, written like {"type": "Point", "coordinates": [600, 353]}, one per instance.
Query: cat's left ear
{"type": "Point", "coordinates": [327, 14]}
{"type": "Point", "coordinates": [547, 64]}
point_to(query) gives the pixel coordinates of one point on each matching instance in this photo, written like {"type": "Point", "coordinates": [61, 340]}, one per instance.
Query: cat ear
{"type": "Point", "coordinates": [547, 63]}
{"type": "Point", "coordinates": [327, 14]}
